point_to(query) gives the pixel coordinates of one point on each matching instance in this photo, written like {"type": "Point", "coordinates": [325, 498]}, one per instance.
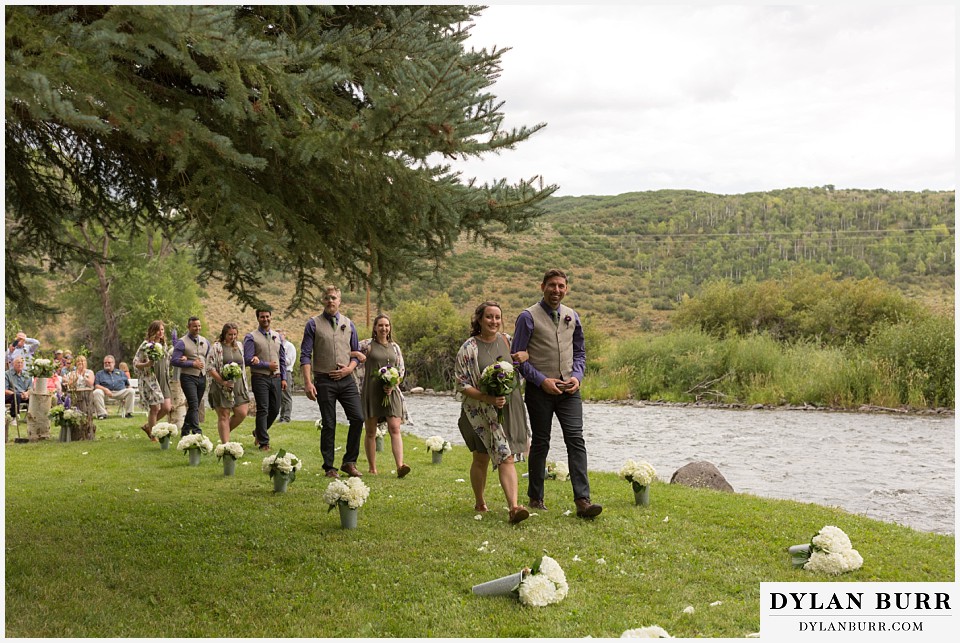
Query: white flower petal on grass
{"type": "Point", "coordinates": [478, 517]}
{"type": "Point", "coordinates": [666, 519]}
{"type": "Point", "coordinates": [576, 558]}
{"type": "Point", "coordinates": [247, 463]}
{"type": "Point", "coordinates": [459, 480]}
{"type": "Point", "coordinates": [689, 609]}
{"type": "Point", "coordinates": [85, 453]}
{"type": "Point", "coordinates": [648, 632]}
{"type": "Point", "coordinates": [715, 603]}
{"type": "Point", "coordinates": [601, 561]}
{"type": "Point", "coordinates": [137, 490]}
{"type": "Point", "coordinates": [567, 512]}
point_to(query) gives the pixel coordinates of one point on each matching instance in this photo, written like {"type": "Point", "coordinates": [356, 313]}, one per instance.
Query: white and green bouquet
{"type": "Point", "coordinates": [155, 351]}
{"type": "Point", "coordinates": [829, 551]}
{"type": "Point", "coordinates": [542, 585]}
{"type": "Point", "coordinates": [640, 474]}
{"type": "Point", "coordinates": [558, 471]}
{"type": "Point", "coordinates": [281, 463]}
{"type": "Point", "coordinates": [40, 367]}
{"type": "Point", "coordinates": [231, 371]}
{"type": "Point", "coordinates": [64, 417]}
{"type": "Point", "coordinates": [390, 376]}
{"type": "Point", "coordinates": [381, 430]}
{"type": "Point", "coordinates": [195, 441]}
{"type": "Point", "coordinates": [232, 449]}
{"type": "Point", "coordinates": [499, 379]}
{"type": "Point", "coordinates": [162, 430]}
{"type": "Point", "coordinates": [351, 491]}
{"type": "Point", "coordinates": [438, 444]}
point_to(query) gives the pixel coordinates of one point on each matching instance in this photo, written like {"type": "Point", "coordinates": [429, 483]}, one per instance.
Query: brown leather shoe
{"type": "Point", "coordinates": [586, 509]}
{"type": "Point", "coordinates": [538, 504]}
{"type": "Point", "coordinates": [351, 470]}
{"type": "Point", "coordinates": [403, 470]}
{"type": "Point", "coordinates": [332, 473]}
{"type": "Point", "coordinates": [519, 514]}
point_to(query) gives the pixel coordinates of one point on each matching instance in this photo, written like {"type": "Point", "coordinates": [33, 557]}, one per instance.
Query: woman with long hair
{"type": "Point", "coordinates": [154, 377]}
{"type": "Point", "coordinates": [487, 439]}
{"type": "Point", "coordinates": [379, 400]}
{"type": "Point", "coordinates": [230, 398]}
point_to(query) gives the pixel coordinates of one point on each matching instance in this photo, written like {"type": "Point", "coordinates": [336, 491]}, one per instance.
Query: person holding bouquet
{"type": "Point", "coordinates": [229, 394]}
{"type": "Point", "coordinates": [380, 396]}
{"type": "Point", "coordinates": [153, 370]}
{"type": "Point", "coordinates": [489, 439]}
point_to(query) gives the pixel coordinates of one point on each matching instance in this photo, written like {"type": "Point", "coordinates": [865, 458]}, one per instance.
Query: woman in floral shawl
{"type": "Point", "coordinates": [487, 439]}
{"type": "Point", "coordinates": [154, 377]}
{"type": "Point", "coordinates": [227, 396]}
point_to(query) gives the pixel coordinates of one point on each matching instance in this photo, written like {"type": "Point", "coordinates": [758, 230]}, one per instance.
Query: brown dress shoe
{"type": "Point", "coordinates": [351, 470]}
{"type": "Point", "coordinates": [403, 470]}
{"type": "Point", "coordinates": [586, 509]}
{"type": "Point", "coordinates": [332, 473]}
{"type": "Point", "coordinates": [538, 504]}
{"type": "Point", "coordinates": [519, 514]}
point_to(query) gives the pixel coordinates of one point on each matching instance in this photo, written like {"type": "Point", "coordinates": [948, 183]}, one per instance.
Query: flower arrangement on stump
{"type": "Point", "coordinates": [282, 467]}
{"type": "Point", "coordinates": [347, 495]}
{"type": "Point", "coordinates": [543, 584]}
{"type": "Point", "coordinates": [640, 474]}
{"type": "Point", "coordinates": [195, 445]}
{"type": "Point", "coordinates": [41, 369]}
{"type": "Point", "coordinates": [163, 431]}
{"type": "Point", "coordinates": [229, 453]}
{"type": "Point", "coordinates": [436, 446]}
{"type": "Point", "coordinates": [67, 420]}
{"type": "Point", "coordinates": [829, 551]}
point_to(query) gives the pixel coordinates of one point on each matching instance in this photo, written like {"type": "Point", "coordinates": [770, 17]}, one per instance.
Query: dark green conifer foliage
{"type": "Point", "coordinates": [311, 140]}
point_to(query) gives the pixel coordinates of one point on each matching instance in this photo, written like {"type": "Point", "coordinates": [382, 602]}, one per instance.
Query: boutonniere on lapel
{"type": "Point", "coordinates": [567, 320]}
{"type": "Point", "coordinates": [343, 327]}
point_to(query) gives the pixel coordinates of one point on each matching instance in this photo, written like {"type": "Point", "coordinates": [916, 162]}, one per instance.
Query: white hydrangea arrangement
{"type": "Point", "coordinates": [830, 552]}
{"type": "Point", "coordinates": [542, 585]}
{"type": "Point", "coordinates": [163, 430]}
{"type": "Point", "coordinates": [436, 443]}
{"type": "Point", "coordinates": [281, 463]}
{"type": "Point", "coordinates": [381, 430]}
{"type": "Point", "coordinates": [648, 632]}
{"type": "Point", "coordinates": [40, 367]}
{"type": "Point", "coordinates": [352, 491]}
{"type": "Point", "coordinates": [195, 441]}
{"type": "Point", "coordinates": [558, 471]}
{"type": "Point", "coordinates": [639, 474]}
{"type": "Point", "coordinates": [234, 449]}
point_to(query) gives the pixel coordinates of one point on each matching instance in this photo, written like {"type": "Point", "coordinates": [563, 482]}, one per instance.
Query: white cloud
{"type": "Point", "coordinates": [725, 99]}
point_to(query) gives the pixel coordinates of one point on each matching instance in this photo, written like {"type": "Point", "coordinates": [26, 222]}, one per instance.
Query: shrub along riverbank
{"type": "Point", "coordinates": [116, 538]}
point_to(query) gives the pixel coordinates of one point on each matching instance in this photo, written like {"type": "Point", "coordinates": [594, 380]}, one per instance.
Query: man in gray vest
{"type": "Point", "coordinates": [328, 340]}
{"type": "Point", "coordinates": [263, 353]}
{"type": "Point", "coordinates": [552, 336]}
{"type": "Point", "coordinates": [189, 355]}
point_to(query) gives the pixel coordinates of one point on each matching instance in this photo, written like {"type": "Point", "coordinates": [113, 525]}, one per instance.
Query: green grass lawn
{"type": "Point", "coordinates": [116, 538]}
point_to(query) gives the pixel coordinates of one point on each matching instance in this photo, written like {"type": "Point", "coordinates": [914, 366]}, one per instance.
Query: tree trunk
{"type": "Point", "coordinates": [38, 416]}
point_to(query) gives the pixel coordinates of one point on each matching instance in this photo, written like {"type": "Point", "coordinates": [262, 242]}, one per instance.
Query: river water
{"type": "Point", "coordinates": [894, 468]}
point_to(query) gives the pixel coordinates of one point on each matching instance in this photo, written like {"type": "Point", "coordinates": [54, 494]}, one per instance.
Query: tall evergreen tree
{"type": "Point", "coordinates": [312, 140]}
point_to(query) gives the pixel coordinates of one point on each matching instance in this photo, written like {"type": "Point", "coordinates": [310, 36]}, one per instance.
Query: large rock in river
{"type": "Point", "coordinates": [701, 474]}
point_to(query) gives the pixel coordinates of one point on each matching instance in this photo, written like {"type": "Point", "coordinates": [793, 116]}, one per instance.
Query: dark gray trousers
{"type": "Point", "coordinates": [541, 407]}
{"type": "Point", "coordinates": [329, 392]}
{"type": "Point", "coordinates": [266, 391]}
{"type": "Point", "coordinates": [193, 387]}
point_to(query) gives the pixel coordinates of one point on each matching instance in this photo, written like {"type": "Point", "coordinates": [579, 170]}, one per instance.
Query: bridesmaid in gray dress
{"type": "Point", "coordinates": [378, 400]}
{"type": "Point", "coordinates": [230, 398]}
{"type": "Point", "coordinates": [154, 378]}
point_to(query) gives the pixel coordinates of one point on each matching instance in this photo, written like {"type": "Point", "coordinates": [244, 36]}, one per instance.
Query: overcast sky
{"type": "Point", "coordinates": [725, 99]}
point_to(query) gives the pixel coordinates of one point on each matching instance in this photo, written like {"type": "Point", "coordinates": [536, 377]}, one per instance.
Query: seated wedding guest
{"type": "Point", "coordinates": [66, 365]}
{"type": "Point", "coordinates": [123, 366]}
{"type": "Point", "coordinates": [17, 387]}
{"type": "Point", "coordinates": [378, 399]}
{"type": "Point", "coordinates": [487, 439]}
{"type": "Point", "coordinates": [80, 377]}
{"type": "Point", "coordinates": [154, 370]}
{"type": "Point", "coordinates": [113, 383]}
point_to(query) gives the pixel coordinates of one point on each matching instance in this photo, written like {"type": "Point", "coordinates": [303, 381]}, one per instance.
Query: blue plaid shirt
{"type": "Point", "coordinates": [115, 380]}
